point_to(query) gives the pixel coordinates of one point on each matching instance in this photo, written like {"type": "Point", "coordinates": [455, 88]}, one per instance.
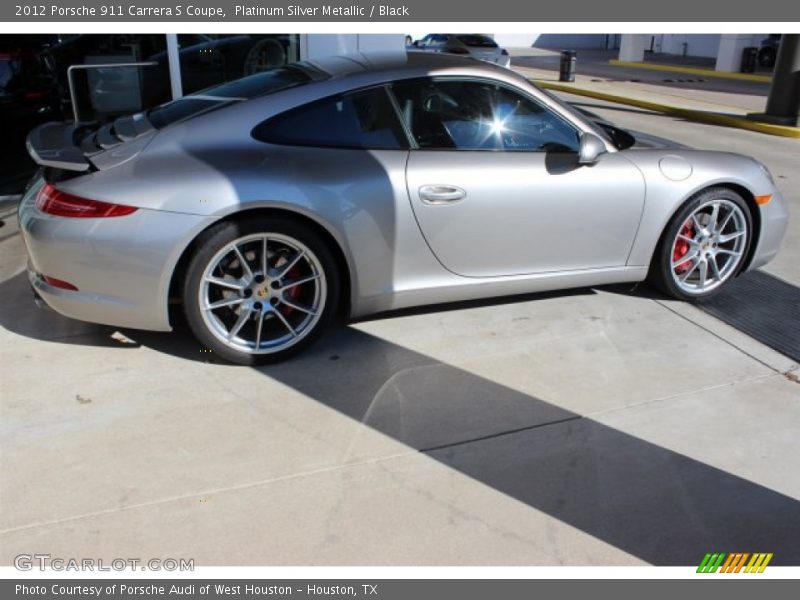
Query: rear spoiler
{"type": "Point", "coordinates": [78, 147]}
{"type": "Point", "coordinates": [53, 145]}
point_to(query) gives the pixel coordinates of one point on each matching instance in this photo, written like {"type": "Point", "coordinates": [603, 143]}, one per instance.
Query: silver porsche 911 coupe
{"type": "Point", "coordinates": [366, 183]}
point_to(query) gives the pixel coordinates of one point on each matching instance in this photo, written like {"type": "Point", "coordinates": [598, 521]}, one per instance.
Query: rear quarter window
{"type": "Point", "coordinates": [254, 86]}
{"type": "Point", "coordinates": [363, 120]}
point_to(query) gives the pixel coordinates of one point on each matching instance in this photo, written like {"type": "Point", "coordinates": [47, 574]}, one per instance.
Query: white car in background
{"type": "Point", "coordinates": [475, 45]}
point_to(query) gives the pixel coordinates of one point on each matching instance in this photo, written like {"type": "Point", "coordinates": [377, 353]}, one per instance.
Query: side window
{"type": "Point", "coordinates": [359, 120]}
{"type": "Point", "coordinates": [474, 115]}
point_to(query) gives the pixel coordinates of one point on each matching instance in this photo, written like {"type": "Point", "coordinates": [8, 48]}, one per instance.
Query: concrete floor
{"type": "Point", "coordinates": [592, 427]}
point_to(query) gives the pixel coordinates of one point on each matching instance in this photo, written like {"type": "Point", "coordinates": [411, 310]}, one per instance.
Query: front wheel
{"type": "Point", "coordinates": [259, 291]}
{"type": "Point", "coordinates": [704, 245]}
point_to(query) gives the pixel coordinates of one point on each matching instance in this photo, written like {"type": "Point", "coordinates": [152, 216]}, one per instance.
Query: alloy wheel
{"type": "Point", "coordinates": [262, 293]}
{"type": "Point", "coordinates": [708, 247]}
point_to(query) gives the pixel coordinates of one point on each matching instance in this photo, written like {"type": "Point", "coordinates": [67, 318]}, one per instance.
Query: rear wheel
{"type": "Point", "coordinates": [704, 245]}
{"type": "Point", "coordinates": [260, 291]}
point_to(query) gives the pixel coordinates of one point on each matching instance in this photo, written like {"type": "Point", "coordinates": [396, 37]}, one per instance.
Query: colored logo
{"type": "Point", "coordinates": [734, 562]}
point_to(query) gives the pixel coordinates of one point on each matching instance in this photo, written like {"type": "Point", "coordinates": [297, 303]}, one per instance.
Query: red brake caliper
{"type": "Point", "coordinates": [682, 247]}
{"type": "Point", "coordinates": [292, 293]}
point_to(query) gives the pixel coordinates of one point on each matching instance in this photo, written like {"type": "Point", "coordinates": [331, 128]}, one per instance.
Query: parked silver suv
{"type": "Point", "coordinates": [476, 45]}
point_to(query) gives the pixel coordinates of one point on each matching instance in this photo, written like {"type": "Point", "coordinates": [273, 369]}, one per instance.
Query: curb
{"type": "Point", "coordinates": [691, 70]}
{"type": "Point", "coordinates": [687, 113]}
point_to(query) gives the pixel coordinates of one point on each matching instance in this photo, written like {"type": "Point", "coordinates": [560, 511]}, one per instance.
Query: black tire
{"type": "Point", "coordinates": [661, 268]}
{"type": "Point", "coordinates": [211, 249]}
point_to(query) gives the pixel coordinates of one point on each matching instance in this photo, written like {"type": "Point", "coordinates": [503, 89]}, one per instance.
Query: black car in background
{"type": "Point", "coordinates": [27, 87]}
{"type": "Point", "coordinates": [29, 96]}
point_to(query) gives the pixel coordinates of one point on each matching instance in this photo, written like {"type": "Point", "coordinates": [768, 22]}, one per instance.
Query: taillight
{"type": "Point", "coordinates": [60, 283]}
{"type": "Point", "coordinates": [459, 51]}
{"type": "Point", "coordinates": [53, 201]}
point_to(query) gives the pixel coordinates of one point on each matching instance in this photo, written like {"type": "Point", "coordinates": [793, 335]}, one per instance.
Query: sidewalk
{"type": "Point", "coordinates": [737, 104]}
{"type": "Point", "coordinates": [606, 63]}
{"type": "Point", "coordinates": [702, 71]}
{"type": "Point", "coordinates": [708, 106]}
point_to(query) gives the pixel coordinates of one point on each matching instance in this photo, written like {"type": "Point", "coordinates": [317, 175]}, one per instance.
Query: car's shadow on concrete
{"type": "Point", "coordinates": [656, 504]}
{"type": "Point", "coordinates": [653, 503]}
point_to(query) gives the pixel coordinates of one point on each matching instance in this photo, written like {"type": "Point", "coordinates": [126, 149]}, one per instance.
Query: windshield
{"type": "Point", "coordinates": [246, 88]}
{"type": "Point", "coordinates": [477, 41]}
{"type": "Point", "coordinates": [588, 119]}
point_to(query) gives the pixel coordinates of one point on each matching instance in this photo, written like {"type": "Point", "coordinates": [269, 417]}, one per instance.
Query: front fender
{"type": "Point", "coordinates": [667, 191]}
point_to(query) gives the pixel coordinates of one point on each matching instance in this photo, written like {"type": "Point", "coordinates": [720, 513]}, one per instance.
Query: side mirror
{"type": "Point", "coordinates": [590, 149]}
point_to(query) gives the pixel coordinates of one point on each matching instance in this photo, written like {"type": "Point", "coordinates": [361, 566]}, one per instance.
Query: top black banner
{"type": "Point", "coordinates": [473, 11]}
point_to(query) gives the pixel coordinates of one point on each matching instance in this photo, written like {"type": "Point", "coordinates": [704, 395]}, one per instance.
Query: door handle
{"type": "Point", "coordinates": [441, 194]}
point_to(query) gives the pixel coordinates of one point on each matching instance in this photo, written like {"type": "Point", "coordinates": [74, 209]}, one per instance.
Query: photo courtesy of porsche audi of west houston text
{"type": "Point", "coordinates": [155, 590]}
{"type": "Point", "coordinates": [211, 12]}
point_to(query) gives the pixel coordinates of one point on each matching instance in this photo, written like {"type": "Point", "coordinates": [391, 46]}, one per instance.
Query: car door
{"type": "Point", "coordinates": [496, 188]}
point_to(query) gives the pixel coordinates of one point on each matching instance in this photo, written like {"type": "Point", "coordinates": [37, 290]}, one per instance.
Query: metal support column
{"type": "Point", "coordinates": [174, 58]}
{"type": "Point", "coordinates": [783, 104]}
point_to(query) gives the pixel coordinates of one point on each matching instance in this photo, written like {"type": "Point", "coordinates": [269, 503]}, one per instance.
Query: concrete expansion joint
{"type": "Point", "coordinates": [703, 390]}
{"type": "Point", "coordinates": [718, 336]}
{"type": "Point", "coordinates": [499, 434]}
{"type": "Point", "coordinates": [205, 492]}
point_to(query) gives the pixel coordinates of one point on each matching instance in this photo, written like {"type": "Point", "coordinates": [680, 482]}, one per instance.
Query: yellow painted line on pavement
{"type": "Point", "coordinates": [687, 113]}
{"type": "Point", "coordinates": [691, 70]}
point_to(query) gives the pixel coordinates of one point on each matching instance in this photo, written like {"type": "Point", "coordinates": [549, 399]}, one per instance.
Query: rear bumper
{"type": "Point", "coordinates": [37, 298]}
{"type": "Point", "coordinates": [121, 266]}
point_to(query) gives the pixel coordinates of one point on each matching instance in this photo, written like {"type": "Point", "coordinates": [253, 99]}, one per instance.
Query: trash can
{"type": "Point", "coordinates": [568, 60]}
{"type": "Point", "coordinates": [749, 59]}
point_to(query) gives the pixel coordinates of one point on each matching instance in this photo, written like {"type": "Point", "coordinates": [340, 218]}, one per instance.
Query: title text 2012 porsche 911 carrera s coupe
{"type": "Point", "coordinates": [368, 183]}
